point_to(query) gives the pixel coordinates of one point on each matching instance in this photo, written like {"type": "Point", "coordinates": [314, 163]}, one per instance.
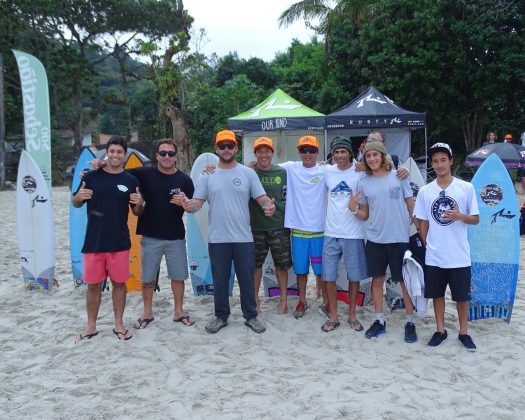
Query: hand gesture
{"type": "Point", "coordinates": [84, 193]}
{"type": "Point", "coordinates": [269, 209]}
{"type": "Point", "coordinates": [354, 201]}
{"type": "Point", "coordinates": [178, 198]}
{"type": "Point", "coordinates": [97, 163]}
{"type": "Point", "coordinates": [136, 198]}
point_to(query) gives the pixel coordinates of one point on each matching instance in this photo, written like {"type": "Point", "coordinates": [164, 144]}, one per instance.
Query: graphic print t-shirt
{"type": "Point", "coordinates": [107, 211]}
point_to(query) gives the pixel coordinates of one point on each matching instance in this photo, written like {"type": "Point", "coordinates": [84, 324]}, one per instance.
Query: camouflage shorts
{"type": "Point", "coordinates": [278, 242]}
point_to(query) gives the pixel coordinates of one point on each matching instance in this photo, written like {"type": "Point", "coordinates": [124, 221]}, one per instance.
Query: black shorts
{"type": "Point", "coordinates": [458, 279]}
{"type": "Point", "coordinates": [379, 256]}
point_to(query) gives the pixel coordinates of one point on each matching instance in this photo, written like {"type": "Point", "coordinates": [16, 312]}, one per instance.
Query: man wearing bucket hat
{"type": "Point", "coordinates": [344, 233]}
{"type": "Point", "coordinates": [444, 208]}
{"type": "Point", "coordinates": [228, 191]}
{"type": "Point", "coordinates": [305, 214]}
{"type": "Point", "coordinates": [387, 202]}
{"type": "Point", "coordinates": [269, 233]}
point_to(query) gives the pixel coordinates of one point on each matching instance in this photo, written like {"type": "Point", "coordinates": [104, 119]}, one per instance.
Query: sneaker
{"type": "Point", "coordinates": [215, 324]}
{"type": "Point", "coordinates": [300, 309]}
{"type": "Point", "coordinates": [410, 333]}
{"type": "Point", "coordinates": [437, 338]}
{"type": "Point", "coordinates": [256, 325]}
{"type": "Point", "coordinates": [466, 340]}
{"type": "Point", "coordinates": [375, 329]}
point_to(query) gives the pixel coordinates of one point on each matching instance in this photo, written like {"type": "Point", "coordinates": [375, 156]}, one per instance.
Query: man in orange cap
{"type": "Point", "coordinates": [269, 233]}
{"type": "Point", "coordinates": [305, 214]}
{"type": "Point", "coordinates": [507, 138]}
{"type": "Point", "coordinates": [228, 190]}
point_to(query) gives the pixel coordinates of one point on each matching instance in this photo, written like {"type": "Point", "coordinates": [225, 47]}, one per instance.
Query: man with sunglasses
{"type": "Point", "coordinates": [444, 208]}
{"type": "Point", "coordinates": [305, 215]}
{"type": "Point", "coordinates": [162, 229]}
{"type": "Point", "coordinates": [228, 191]}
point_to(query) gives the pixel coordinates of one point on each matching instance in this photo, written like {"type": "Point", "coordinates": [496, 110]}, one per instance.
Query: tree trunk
{"type": "Point", "coordinates": [2, 126]}
{"type": "Point", "coordinates": [78, 121]}
{"type": "Point", "coordinates": [181, 137]}
{"type": "Point", "coordinates": [473, 123]}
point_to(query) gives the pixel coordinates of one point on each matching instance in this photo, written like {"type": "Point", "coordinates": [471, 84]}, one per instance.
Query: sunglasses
{"type": "Point", "coordinates": [308, 150]}
{"type": "Point", "coordinates": [442, 194]}
{"type": "Point", "coordinates": [165, 153]}
{"type": "Point", "coordinates": [229, 146]}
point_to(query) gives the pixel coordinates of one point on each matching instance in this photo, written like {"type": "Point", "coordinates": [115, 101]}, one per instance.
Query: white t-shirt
{"type": "Point", "coordinates": [340, 223]}
{"type": "Point", "coordinates": [447, 244]}
{"type": "Point", "coordinates": [305, 197]}
{"type": "Point", "coordinates": [388, 214]}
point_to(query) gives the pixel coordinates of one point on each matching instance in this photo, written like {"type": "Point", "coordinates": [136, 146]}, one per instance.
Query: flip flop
{"type": "Point", "coordinates": [121, 335]}
{"type": "Point", "coordinates": [86, 337]}
{"type": "Point", "coordinates": [189, 322]}
{"type": "Point", "coordinates": [138, 325]}
{"type": "Point", "coordinates": [355, 325]}
{"type": "Point", "coordinates": [329, 326]}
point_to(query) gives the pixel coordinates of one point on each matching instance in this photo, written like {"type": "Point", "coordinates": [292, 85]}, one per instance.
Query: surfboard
{"type": "Point", "coordinates": [134, 284]}
{"type": "Point", "coordinates": [270, 283]}
{"type": "Point", "coordinates": [494, 243]}
{"type": "Point", "coordinates": [78, 218]}
{"type": "Point", "coordinates": [393, 293]}
{"type": "Point", "coordinates": [197, 237]}
{"type": "Point", "coordinates": [34, 225]}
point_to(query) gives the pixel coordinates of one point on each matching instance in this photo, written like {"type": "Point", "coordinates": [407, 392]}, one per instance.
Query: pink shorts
{"type": "Point", "coordinates": [99, 265]}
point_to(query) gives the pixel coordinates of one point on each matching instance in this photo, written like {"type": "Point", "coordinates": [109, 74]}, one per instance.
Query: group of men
{"type": "Point", "coordinates": [306, 213]}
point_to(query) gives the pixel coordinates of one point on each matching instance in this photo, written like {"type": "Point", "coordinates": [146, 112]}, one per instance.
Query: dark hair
{"type": "Point", "coordinates": [495, 135]}
{"type": "Point", "coordinates": [165, 141]}
{"type": "Point", "coordinates": [118, 140]}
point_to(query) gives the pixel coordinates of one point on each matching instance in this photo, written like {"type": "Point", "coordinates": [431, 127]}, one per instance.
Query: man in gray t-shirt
{"type": "Point", "coordinates": [228, 191]}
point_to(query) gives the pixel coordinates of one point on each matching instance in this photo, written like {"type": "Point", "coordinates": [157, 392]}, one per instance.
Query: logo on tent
{"type": "Point", "coordinates": [272, 105]}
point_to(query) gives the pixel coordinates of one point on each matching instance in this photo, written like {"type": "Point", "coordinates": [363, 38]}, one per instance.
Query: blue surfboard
{"type": "Point", "coordinates": [494, 243]}
{"type": "Point", "coordinates": [197, 237]}
{"type": "Point", "coordinates": [78, 218]}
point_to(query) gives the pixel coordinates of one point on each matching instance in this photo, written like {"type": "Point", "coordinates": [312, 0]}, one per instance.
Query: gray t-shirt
{"type": "Point", "coordinates": [388, 215]}
{"type": "Point", "coordinates": [228, 192]}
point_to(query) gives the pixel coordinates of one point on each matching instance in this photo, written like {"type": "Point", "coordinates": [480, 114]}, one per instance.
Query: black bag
{"type": "Point", "coordinates": [522, 221]}
{"type": "Point", "coordinates": [416, 246]}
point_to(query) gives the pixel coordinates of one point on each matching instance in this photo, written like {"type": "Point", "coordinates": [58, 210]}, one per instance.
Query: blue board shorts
{"type": "Point", "coordinates": [353, 253]}
{"type": "Point", "coordinates": [307, 248]}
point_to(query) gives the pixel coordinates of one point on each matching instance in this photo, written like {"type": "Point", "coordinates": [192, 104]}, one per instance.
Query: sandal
{"type": "Point", "coordinates": [329, 326]}
{"type": "Point", "coordinates": [355, 325]}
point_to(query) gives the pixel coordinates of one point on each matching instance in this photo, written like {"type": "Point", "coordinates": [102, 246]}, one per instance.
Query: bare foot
{"type": "Point", "coordinates": [282, 308]}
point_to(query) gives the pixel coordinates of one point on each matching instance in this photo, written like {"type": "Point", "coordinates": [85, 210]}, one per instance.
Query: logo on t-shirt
{"type": "Point", "coordinates": [491, 194]}
{"type": "Point", "coordinates": [236, 182]}
{"type": "Point", "coordinates": [440, 206]}
{"type": "Point", "coordinates": [341, 189]}
{"type": "Point", "coordinates": [315, 180]}
{"type": "Point", "coordinates": [122, 188]}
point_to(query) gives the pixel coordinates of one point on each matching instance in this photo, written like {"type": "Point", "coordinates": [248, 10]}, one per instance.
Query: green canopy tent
{"type": "Point", "coordinates": [283, 119]}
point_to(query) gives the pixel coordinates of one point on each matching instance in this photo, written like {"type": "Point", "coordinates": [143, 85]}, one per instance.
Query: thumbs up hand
{"type": "Point", "coordinates": [136, 198]}
{"type": "Point", "coordinates": [84, 193]}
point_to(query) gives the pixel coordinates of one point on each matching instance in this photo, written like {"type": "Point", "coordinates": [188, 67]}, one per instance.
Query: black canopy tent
{"type": "Point", "coordinates": [371, 109]}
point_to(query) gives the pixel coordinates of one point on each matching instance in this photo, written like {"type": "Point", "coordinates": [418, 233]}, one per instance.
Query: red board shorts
{"type": "Point", "coordinates": [99, 265]}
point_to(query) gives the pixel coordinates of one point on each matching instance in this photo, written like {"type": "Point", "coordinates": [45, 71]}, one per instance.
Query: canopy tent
{"type": "Point", "coordinates": [371, 109]}
{"type": "Point", "coordinates": [281, 118]}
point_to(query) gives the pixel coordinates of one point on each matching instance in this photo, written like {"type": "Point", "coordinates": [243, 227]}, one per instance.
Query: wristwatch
{"type": "Point", "coordinates": [356, 208]}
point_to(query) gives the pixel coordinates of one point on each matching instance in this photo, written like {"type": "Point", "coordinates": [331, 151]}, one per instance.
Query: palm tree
{"type": "Point", "coordinates": [324, 13]}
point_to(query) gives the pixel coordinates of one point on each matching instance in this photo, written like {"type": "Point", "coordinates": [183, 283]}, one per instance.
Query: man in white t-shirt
{"type": "Point", "coordinates": [444, 208]}
{"type": "Point", "coordinates": [305, 214]}
{"type": "Point", "coordinates": [344, 233]}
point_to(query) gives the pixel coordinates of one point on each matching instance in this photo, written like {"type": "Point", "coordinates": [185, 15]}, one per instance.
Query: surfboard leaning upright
{"type": "Point", "coordinates": [34, 225]}
{"type": "Point", "coordinates": [78, 219]}
{"type": "Point", "coordinates": [494, 243]}
{"type": "Point", "coordinates": [197, 236]}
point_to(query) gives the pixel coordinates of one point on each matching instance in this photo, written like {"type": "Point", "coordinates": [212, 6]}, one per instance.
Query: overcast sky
{"type": "Point", "coordinates": [249, 27]}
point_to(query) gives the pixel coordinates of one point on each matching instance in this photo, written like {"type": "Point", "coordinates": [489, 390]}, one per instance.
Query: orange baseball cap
{"type": "Point", "coordinates": [508, 136]}
{"type": "Point", "coordinates": [308, 141]}
{"type": "Point", "coordinates": [225, 135]}
{"type": "Point", "coordinates": [263, 141]}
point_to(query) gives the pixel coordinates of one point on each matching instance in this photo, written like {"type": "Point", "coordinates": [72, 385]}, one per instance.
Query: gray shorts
{"type": "Point", "coordinates": [353, 253]}
{"type": "Point", "coordinates": [176, 258]}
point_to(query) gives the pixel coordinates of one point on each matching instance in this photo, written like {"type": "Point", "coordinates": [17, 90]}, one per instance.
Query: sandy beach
{"type": "Point", "coordinates": [294, 370]}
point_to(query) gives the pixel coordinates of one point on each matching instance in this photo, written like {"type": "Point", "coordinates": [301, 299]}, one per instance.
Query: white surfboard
{"type": "Point", "coordinates": [34, 225]}
{"type": "Point", "coordinates": [197, 237]}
